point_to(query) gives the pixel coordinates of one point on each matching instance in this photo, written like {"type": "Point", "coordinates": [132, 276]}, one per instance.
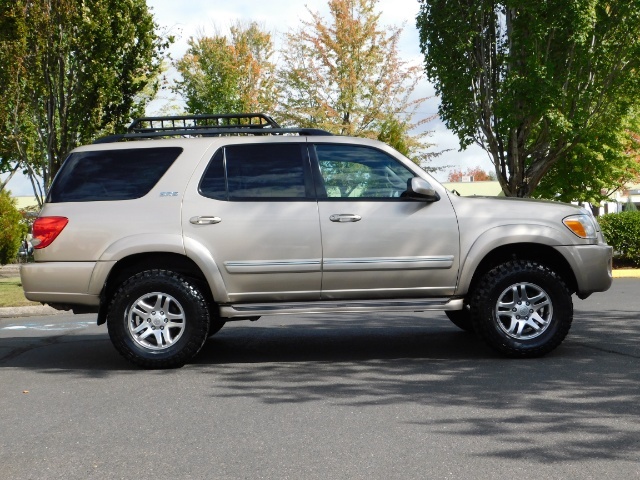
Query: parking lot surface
{"type": "Point", "coordinates": [310, 397]}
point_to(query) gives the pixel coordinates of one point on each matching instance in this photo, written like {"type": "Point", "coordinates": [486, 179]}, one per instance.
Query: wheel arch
{"type": "Point", "coordinates": [139, 262]}
{"type": "Point", "coordinates": [536, 252]}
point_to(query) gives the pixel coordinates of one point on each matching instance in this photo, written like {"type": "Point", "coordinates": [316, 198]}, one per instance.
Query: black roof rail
{"type": "Point", "coordinates": [207, 125]}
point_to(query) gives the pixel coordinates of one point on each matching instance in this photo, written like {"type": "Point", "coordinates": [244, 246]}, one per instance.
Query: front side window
{"type": "Point", "coordinates": [351, 171]}
{"type": "Point", "coordinates": [104, 175]}
{"type": "Point", "coordinates": [257, 171]}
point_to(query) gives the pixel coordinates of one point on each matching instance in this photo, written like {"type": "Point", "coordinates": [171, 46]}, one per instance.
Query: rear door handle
{"type": "Point", "coordinates": [345, 217]}
{"type": "Point", "coordinates": [205, 220]}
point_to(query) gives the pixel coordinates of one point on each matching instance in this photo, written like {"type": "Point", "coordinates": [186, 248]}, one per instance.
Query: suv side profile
{"type": "Point", "coordinates": [168, 238]}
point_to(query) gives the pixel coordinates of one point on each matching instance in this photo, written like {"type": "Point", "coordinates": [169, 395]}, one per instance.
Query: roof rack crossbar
{"type": "Point", "coordinates": [210, 125]}
{"type": "Point", "coordinates": [213, 132]}
{"type": "Point", "coordinates": [191, 123]}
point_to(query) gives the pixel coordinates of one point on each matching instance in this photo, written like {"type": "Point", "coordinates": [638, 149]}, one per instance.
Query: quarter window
{"type": "Point", "coordinates": [118, 174]}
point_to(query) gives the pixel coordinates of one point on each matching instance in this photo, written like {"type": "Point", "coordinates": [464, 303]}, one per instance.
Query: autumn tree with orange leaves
{"type": "Point", "coordinates": [476, 173]}
{"type": "Point", "coordinates": [344, 74]}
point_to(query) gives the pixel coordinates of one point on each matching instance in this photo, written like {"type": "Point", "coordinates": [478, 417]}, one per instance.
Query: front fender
{"type": "Point", "coordinates": [501, 236]}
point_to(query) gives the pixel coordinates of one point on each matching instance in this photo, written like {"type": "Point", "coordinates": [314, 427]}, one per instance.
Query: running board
{"type": "Point", "coordinates": [339, 306]}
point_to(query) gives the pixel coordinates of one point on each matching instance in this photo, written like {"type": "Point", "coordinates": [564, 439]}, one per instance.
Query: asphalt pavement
{"type": "Point", "coordinates": [309, 397]}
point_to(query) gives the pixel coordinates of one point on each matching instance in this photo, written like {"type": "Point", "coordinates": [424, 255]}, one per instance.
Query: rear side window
{"type": "Point", "coordinates": [111, 174]}
{"type": "Point", "coordinates": [262, 171]}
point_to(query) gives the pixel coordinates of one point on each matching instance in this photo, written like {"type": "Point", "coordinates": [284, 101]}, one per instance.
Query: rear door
{"type": "Point", "coordinates": [377, 244]}
{"type": "Point", "coordinates": [254, 209]}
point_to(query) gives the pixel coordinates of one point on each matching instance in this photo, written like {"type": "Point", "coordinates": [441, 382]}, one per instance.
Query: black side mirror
{"type": "Point", "coordinates": [419, 189]}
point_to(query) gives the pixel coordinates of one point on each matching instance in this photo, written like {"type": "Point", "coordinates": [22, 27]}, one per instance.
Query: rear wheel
{"type": "Point", "coordinates": [521, 309]}
{"type": "Point", "coordinates": [158, 319]}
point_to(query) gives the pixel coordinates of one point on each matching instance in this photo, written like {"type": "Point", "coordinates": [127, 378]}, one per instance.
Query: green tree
{"type": "Point", "coordinates": [233, 74]}
{"type": "Point", "coordinates": [12, 228]}
{"type": "Point", "coordinates": [345, 75]}
{"type": "Point", "coordinates": [594, 169]}
{"type": "Point", "coordinates": [534, 83]}
{"type": "Point", "coordinates": [80, 70]}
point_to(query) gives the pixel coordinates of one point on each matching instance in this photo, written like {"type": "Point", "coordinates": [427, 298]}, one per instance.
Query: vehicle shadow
{"type": "Point", "coordinates": [580, 401]}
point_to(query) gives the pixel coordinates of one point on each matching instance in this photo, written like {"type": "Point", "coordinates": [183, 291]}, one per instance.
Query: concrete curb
{"type": "Point", "coordinates": [627, 273]}
{"type": "Point", "coordinates": [28, 311]}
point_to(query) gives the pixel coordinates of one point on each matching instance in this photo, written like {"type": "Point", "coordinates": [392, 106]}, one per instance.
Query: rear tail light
{"type": "Point", "coordinates": [46, 229]}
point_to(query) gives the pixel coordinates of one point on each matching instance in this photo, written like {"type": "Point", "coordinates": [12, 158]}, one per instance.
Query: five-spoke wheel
{"type": "Point", "coordinates": [521, 308]}
{"type": "Point", "coordinates": [158, 319]}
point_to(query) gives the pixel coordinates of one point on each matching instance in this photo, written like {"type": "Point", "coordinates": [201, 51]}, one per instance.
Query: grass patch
{"type": "Point", "coordinates": [11, 293]}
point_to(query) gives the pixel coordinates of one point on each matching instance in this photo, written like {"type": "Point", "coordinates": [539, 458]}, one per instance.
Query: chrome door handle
{"type": "Point", "coordinates": [205, 220]}
{"type": "Point", "coordinates": [345, 217]}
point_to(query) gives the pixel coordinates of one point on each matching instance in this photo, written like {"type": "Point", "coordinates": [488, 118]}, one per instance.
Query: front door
{"type": "Point", "coordinates": [377, 244]}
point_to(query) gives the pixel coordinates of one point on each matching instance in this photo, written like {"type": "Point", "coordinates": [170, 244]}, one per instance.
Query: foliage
{"type": "Point", "coordinates": [536, 84]}
{"type": "Point", "coordinates": [477, 173]}
{"type": "Point", "coordinates": [595, 168]}
{"type": "Point", "coordinates": [629, 206]}
{"type": "Point", "coordinates": [77, 70]}
{"type": "Point", "coordinates": [12, 229]}
{"type": "Point", "coordinates": [622, 232]}
{"type": "Point", "coordinates": [345, 75]}
{"type": "Point", "coordinates": [233, 74]}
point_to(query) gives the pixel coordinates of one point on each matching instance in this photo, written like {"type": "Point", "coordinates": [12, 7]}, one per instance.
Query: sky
{"type": "Point", "coordinates": [184, 19]}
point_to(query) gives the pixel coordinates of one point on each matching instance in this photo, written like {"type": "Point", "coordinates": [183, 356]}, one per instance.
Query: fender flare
{"type": "Point", "coordinates": [162, 243]}
{"type": "Point", "coordinates": [209, 268]}
{"type": "Point", "coordinates": [502, 236]}
{"type": "Point", "coordinates": [128, 246]}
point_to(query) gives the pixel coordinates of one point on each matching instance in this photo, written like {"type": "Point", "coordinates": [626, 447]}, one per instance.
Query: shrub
{"type": "Point", "coordinates": [622, 232]}
{"type": "Point", "coordinates": [12, 228]}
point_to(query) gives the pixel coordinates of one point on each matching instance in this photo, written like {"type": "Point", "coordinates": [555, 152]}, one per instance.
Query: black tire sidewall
{"type": "Point", "coordinates": [495, 282]}
{"type": "Point", "coordinates": [196, 319]}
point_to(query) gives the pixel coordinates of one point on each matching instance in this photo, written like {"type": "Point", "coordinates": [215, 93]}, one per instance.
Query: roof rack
{"type": "Point", "coordinates": [207, 125]}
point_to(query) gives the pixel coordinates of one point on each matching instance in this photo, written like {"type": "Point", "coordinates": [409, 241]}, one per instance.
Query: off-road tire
{"type": "Point", "coordinates": [499, 319]}
{"type": "Point", "coordinates": [461, 319]}
{"type": "Point", "coordinates": [136, 327]}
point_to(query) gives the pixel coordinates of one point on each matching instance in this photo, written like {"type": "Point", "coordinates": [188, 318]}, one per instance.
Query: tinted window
{"type": "Point", "coordinates": [111, 174]}
{"type": "Point", "coordinates": [271, 171]}
{"type": "Point", "coordinates": [213, 183]}
{"type": "Point", "coordinates": [350, 171]}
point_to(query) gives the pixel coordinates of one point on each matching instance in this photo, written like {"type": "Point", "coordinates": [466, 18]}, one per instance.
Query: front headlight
{"type": "Point", "coordinates": [581, 225]}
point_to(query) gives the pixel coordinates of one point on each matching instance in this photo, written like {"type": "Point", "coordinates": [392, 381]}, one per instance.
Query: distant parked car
{"type": "Point", "coordinates": [25, 250]}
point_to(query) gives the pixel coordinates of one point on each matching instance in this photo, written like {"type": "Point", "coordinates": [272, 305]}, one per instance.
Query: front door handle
{"type": "Point", "coordinates": [205, 220]}
{"type": "Point", "coordinates": [345, 217]}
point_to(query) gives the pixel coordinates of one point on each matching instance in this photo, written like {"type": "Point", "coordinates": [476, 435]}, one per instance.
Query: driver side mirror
{"type": "Point", "coordinates": [419, 189]}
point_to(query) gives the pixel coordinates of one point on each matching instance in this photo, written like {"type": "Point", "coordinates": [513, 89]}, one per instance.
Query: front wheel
{"type": "Point", "coordinates": [158, 319]}
{"type": "Point", "coordinates": [521, 309]}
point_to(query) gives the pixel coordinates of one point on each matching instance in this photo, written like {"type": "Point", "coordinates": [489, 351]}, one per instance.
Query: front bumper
{"type": "Point", "coordinates": [591, 265]}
